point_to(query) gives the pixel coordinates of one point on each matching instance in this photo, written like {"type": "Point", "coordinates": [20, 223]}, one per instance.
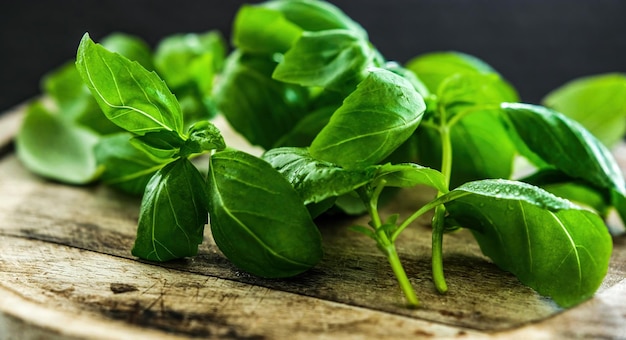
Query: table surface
{"type": "Point", "coordinates": [66, 272]}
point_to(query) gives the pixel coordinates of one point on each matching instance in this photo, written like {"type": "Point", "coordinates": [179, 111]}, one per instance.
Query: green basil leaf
{"type": "Point", "coordinates": [469, 89]}
{"type": "Point", "coordinates": [191, 58]}
{"type": "Point", "coordinates": [407, 74]}
{"type": "Point", "coordinates": [332, 59]}
{"type": "Point", "coordinates": [203, 136]}
{"type": "Point", "coordinates": [566, 145]}
{"type": "Point", "coordinates": [481, 148]}
{"type": "Point", "coordinates": [261, 30]}
{"type": "Point", "coordinates": [131, 47]}
{"type": "Point", "coordinates": [129, 95]}
{"type": "Point", "coordinates": [575, 190]}
{"type": "Point", "coordinates": [373, 121]}
{"type": "Point", "coordinates": [597, 102]}
{"type": "Point", "coordinates": [257, 106]}
{"type": "Point", "coordinates": [65, 86]}
{"type": "Point", "coordinates": [126, 168]}
{"type": "Point", "coordinates": [173, 213]}
{"type": "Point", "coordinates": [316, 180]}
{"type": "Point", "coordinates": [433, 68]}
{"type": "Point", "coordinates": [55, 148]}
{"type": "Point", "coordinates": [409, 175]}
{"type": "Point", "coordinates": [551, 245]}
{"type": "Point", "coordinates": [245, 195]}
{"type": "Point", "coordinates": [313, 15]}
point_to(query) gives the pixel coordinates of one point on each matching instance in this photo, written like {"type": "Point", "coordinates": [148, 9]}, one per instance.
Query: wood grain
{"type": "Point", "coordinates": [66, 271]}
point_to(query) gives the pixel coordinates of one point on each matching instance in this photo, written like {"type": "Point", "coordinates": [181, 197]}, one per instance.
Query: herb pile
{"type": "Point", "coordinates": [342, 127]}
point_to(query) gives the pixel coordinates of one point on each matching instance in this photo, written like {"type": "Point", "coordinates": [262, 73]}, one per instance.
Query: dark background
{"type": "Point", "coordinates": [536, 44]}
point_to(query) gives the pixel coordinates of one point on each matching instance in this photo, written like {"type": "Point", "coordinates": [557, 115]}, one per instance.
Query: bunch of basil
{"type": "Point", "coordinates": [341, 126]}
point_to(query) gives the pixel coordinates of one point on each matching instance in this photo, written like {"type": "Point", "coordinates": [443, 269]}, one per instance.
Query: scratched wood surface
{"type": "Point", "coordinates": [66, 272]}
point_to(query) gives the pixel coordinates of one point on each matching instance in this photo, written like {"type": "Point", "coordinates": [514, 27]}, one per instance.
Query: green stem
{"type": "Point", "coordinates": [387, 246]}
{"type": "Point", "coordinates": [440, 212]}
{"type": "Point", "coordinates": [437, 250]}
{"type": "Point", "coordinates": [394, 260]}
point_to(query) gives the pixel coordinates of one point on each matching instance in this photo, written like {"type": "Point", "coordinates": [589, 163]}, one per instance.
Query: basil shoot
{"type": "Point", "coordinates": [342, 129]}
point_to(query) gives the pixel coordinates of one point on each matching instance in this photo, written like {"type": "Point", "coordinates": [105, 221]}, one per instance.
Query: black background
{"type": "Point", "coordinates": [536, 44]}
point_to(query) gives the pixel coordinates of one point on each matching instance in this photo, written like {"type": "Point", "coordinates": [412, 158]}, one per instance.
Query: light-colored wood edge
{"type": "Point", "coordinates": [24, 319]}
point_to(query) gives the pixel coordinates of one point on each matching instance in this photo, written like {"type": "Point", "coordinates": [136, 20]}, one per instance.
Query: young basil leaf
{"type": "Point", "coordinates": [469, 89]}
{"type": "Point", "coordinates": [373, 121]}
{"type": "Point", "coordinates": [332, 59]}
{"type": "Point", "coordinates": [56, 148]}
{"type": "Point", "coordinates": [173, 213]}
{"type": "Point", "coordinates": [261, 30]}
{"type": "Point", "coordinates": [313, 15]}
{"type": "Point", "coordinates": [203, 136]}
{"type": "Point", "coordinates": [551, 245]}
{"type": "Point", "coordinates": [129, 95]}
{"type": "Point", "coordinates": [597, 102]}
{"type": "Point", "coordinates": [409, 175]}
{"type": "Point", "coordinates": [565, 145]}
{"type": "Point", "coordinates": [131, 47]}
{"type": "Point", "coordinates": [316, 180]}
{"type": "Point", "coordinates": [481, 148]}
{"type": "Point", "coordinates": [184, 59]}
{"type": "Point", "coordinates": [257, 219]}
{"type": "Point", "coordinates": [433, 68]}
{"type": "Point", "coordinates": [125, 167]}
{"type": "Point", "coordinates": [257, 106]}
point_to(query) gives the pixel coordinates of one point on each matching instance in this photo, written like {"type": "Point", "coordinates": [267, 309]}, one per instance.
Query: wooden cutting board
{"type": "Point", "coordinates": [66, 272]}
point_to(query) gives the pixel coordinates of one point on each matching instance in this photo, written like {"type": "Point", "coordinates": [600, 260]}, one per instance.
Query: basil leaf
{"type": "Point", "coordinates": [468, 89]}
{"type": "Point", "coordinates": [407, 74]}
{"type": "Point", "coordinates": [245, 195]}
{"type": "Point", "coordinates": [262, 30]}
{"type": "Point", "coordinates": [313, 15]}
{"type": "Point", "coordinates": [129, 95]}
{"type": "Point", "coordinates": [551, 245]}
{"type": "Point", "coordinates": [409, 175]}
{"type": "Point", "coordinates": [433, 68]}
{"type": "Point", "coordinates": [597, 102]}
{"type": "Point", "coordinates": [173, 213]}
{"type": "Point", "coordinates": [257, 106]}
{"type": "Point", "coordinates": [55, 148]}
{"type": "Point", "coordinates": [332, 59]}
{"type": "Point", "coordinates": [126, 168]}
{"type": "Point", "coordinates": [373, 121]}
{"type": "Point", "coordinates": [191, 58]}
{"type": "Point", "coordinates": [316, 180]}
{"type": "Point", "coordinates": [567, 146]}
{"type": "Point", "coordinates": [131, 47]}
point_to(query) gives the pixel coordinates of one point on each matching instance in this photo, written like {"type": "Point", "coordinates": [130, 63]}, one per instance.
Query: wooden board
{"type": "Point", "coordinates": [66, 272]}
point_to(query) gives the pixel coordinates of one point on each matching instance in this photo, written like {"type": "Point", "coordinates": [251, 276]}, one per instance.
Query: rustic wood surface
{"type": "Point", "coordinates": [66, 272]}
